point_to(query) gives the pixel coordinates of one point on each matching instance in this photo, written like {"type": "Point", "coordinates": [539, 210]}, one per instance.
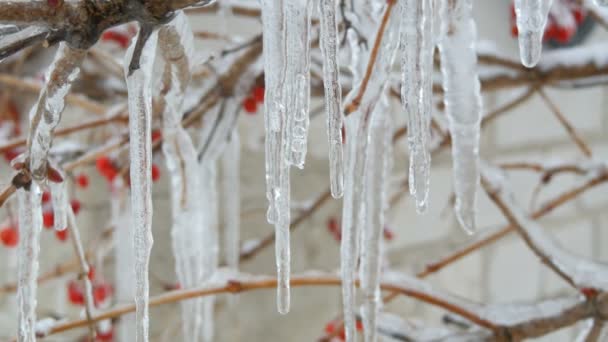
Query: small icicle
{"type": "Point", "coordinates": [296, 85]}
{"type": "Point", "coordinates": [462, 103]}
{"type": "Point", "coordinates": [30, 225]}
{"type": "Point", "coordinates": [59, 198]}
{"type": "Point", "coordinates": [376, 173]}
{"type": "Point", "coordinates": [46, 113]}
{"type": "Point", "coordinates": [416, 91]}
{"type": "Point", "coordinates": [531, 20]}
{"type": "Point", "coordinates": [333, 94]}
{"type": "Point", "coordinates": [139, 61]}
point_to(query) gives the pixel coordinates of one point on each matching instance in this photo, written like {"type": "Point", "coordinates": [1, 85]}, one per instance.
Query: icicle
{"type": "Point", "coordinates": [176, 42]}
{"type": "Point", "coordinates": [376, 173]}
{"type": "Point", "coordinates": [333, 94]}
{"type": "Point", "coordinates": [59, 198]}
{"type": "Point", "coordinates": [46, 113]}
{"type": "Point", "coordinates": [353, 210]}
{"type": "Point", "coordinates": [277, 143]}
{"type": "Point", "coordinates": [416, 91]}
{"type": "Point", "coordinates": [531, 20]}
{"type": "Point", "coordinates": [231, 196]}
{"type": "Point", "coordinates": [462, 103]}
{"type": "Point", "coordinates": [296, 85]}
{"type": "Point", "coordinates": [30, 225]}
{"type": "Point", "coordinates": [138, 70]}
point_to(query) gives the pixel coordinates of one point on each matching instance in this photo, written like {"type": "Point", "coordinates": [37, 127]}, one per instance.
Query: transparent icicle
{"type": "Point", "coordinates": [139, 61]}
{"type": "Point", "coordinates": [462, 103]}
{"type": "Point", "coordinates": [357, 124]}
{"type": "Point", "coordinates": [176, 46]}
{"type": "Point", "coordinates": [30, 225]}
{"type": "Point", "coordinates": [416, 91]}
{"type": "Point", "coordinates": [376, 173]}
{"type": "Point", "coordinates": [59, 198]}
{"type": "Point", "coordinates": [231, 195]}
{"type": "Point", "coordinates": [277, 143]}
{"type": "Point", "coordinates": [531, 18]}
{"type": "Point", "coordinates": [46, 112]}
{"type": "Point", "coordinates": [296, 85]}
{"type": "Point", "coordinates": [333, 93]}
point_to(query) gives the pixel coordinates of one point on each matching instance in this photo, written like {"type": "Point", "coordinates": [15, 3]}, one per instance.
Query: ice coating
{"type": "Point", "coordinates": [138, 74]}
{"type": "Point", "coordinates": [417, 48]}
{"type": "Point", "coordinates": [531, 20]}
{"type": "Point", "coordinates": [462, 103]}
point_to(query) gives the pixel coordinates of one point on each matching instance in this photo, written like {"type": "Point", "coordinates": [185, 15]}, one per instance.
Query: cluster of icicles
{"type": "Point", "coordinates": [359, 175]}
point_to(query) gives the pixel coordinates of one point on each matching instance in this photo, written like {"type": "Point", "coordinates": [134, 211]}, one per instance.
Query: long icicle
{"type": "Point", "coordinates": [176, 41]}
{"type": "Point", "coordinates": [138, 71]}
{"type": "Point", "coordinates": [46, 113]}
{"type": "Point", "coordinates": [416, 91]}
{"type": "Point", "coordinates": [376, 172]}
{"type": "Point", "coordinates": [531, 18]}
{"type": "Point", "coordinates": [30, 225]}
{"type": "Point", "coordinates": [462, 103]}
{"type": "Point", "coordinates": [333, 94]}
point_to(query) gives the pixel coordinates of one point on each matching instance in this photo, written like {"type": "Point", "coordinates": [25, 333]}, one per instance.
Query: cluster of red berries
{"type": "Point", "coordinates": [251, 102]}
{"type": "Point", "coordinates": [336, 328]}
{"type": "Point", "coordinates": [333, 226]}
{"type": "Point", "coordinates": [560, 30]}
{"type": "Point", "coordinates": [101, 290]}
{"type": "Point", "coordinates": [107, 168]}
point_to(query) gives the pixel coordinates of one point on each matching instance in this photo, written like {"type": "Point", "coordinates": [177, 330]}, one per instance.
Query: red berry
{"type": "Point", "coordinates": [9, 155]}
{"type": "Point", "coordinates": [514, 31]}
{"type": "Point", "coordinates": [155, 173]}
{"type": "Point", "coordinates": [9, 236]}
{"type": "Point", "coordinates": [388, 234]}
{"type": "Point", "coordinates": [156, 135]}
{"type": "Point", "coordinates": [330, 327]}
{"type": "Point", "coordinates": [105, 336]}
{"type": "Point", "coordinates": [258, 93]}
{"type": "Point", "coordinates": [359, 325]}
{"type": "Point", "coordinates": [117, 37]}
{"type": "Point", "coordinates": [250, 105]}
{"type": "Point", "coordinates": [82, 180]}
{"type": "Point", "coordinates": [579, 16]}
{"type": "Point", "coordinates": [564, 34]}
{"type": "Point", "coordinates": [62, 235]}
{"type": "Point", "coordinates": [46, 196]}
{"type": "Point", "coordinates": [75, 206]}
{"type": "Point", "coordinates": [54, 175]}
{"type": "Point", "coordinates": [106, 168]}
{"type": "Point", "coordinates": [101, 293]}
{"type": "Point", "coordinates": [589, 292]}
{"type": "Point", "coordinates": [75, 295]}
{"type": "Point", "coordinates": [48, 219]}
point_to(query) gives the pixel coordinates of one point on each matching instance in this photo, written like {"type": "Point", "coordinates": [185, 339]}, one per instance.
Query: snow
{"type": "Point", "coordinates": [462, 103]}
{"type": "Point", "coordinates": [138, 74]}
{"type": "Point", "coordinates": [44, 326]}
{"type": "Point", "coordinates": [417, 48]}
{"type": "Point", "coordinates": [531, 20]}
{"type": "Point", "coordinates": [46, 112]}
{"type": "Point", "coordinates": [333, 94]}
{"type": "Point", "coordinates": [30, 225]}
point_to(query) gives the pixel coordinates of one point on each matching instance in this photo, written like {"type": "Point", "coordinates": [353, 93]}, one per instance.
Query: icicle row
{"type": "Point", "coordinates": [531, 20]}
{"type": "Point", "coordinates": [462, 103]}
{"type": "Point", "coordinates": [376, 173]}
{"type": "Point", "coordinates": [30, 225]}
{"type": "Point", "coordinates": [416, 91]}
{"type": "Point", "coordinates": [46, 113]}
{"type": "Point", "coordinates": [138, 70]}
{"type": "Point", "coordinates": [333, 94]}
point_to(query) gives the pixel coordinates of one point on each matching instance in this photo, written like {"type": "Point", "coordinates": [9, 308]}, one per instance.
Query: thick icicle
{"type": "Point", "coordinates": [462, 103]}
{"type": "Point", "coordinates": [176, 41]}
{"type": "Point", "coordinates": [231, 195]}
{"type": "Point", "coordinates": [46, 113]}
{"type": "Point", "coordinates": [531, 20]}
{"type": "Point", "coordinates": [296, 84]}
{"type": "Point", "coordinates": [59, 198]}
{"type": "Point", "coordinates": [30, 225]}
{"type": "Point", "coordinates": [357, 124]}
{"type": "Point", "coordinates": [138, 70]}
{"type": "Point", "coordinates": [416, 91]}
{"type": "Point", "coordinates": [376, 173]}
{"type": "Point", "coordinates": [277, 146]}
{"type": "Point", "coordinates": [333, 94]}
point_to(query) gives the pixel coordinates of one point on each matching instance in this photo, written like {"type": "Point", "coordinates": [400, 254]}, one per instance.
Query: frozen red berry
{"type": "Point", "coordinates": [105, 336]}
{"type": "Point", "coordinates": [75, 204]}
{"type": "Point", "coordinates": [250, 105]}
{"type": "Point", "coordinates": [101, 292]}
{"type": "Point", "coordinates": [75, 294]}
{"type": "Point", "coordinates": [9, 236]}
{"type": "Point", "coordinates": [589, 292]}
{"type": "Point", "coordinates": [62, 235]}
{"type": "Point", "coordinates": [258, 93]}
{"type": "Point", "coordinates": [48, 219]}
{"type": "Point", "coordinates": [155, 173]}
{"type": "Point", "coordinates": [156, 135]}
{"type": "Point", "coordinates": [106, 168]}
{"type": "Point", "coordinates": [82, 180]}
{"type": "Point", "coordinates": [117, 37]}
{"type": "Point", "coordinates": [46, 196]}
